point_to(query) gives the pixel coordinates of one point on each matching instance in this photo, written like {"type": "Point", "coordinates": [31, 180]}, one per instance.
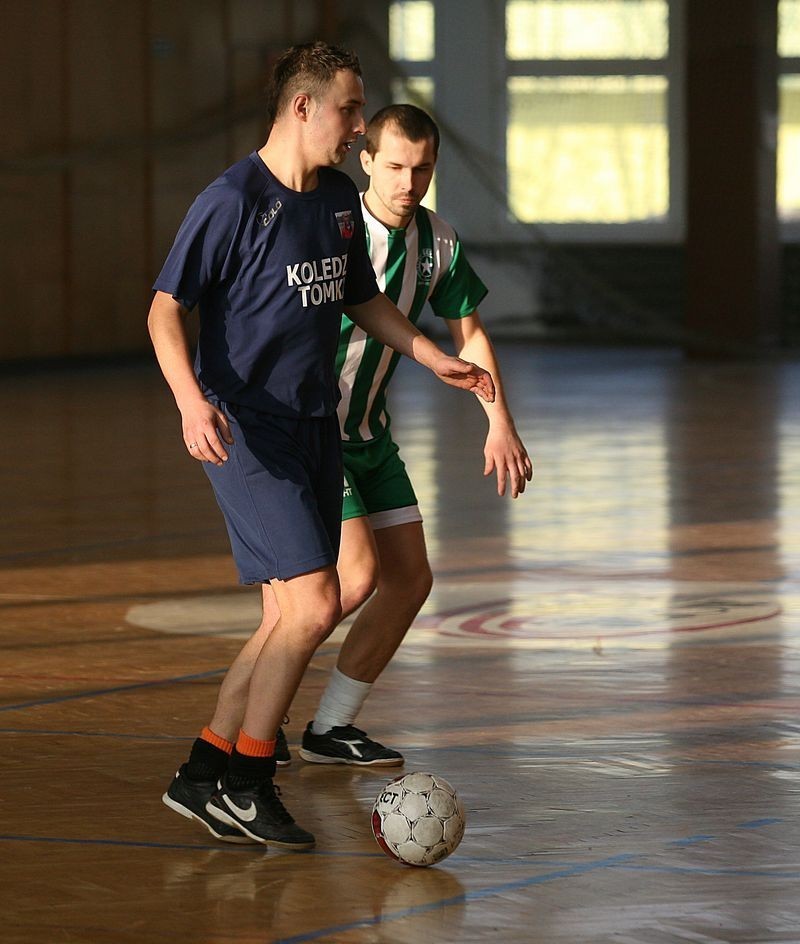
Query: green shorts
{"type": "Point", "coordinates": [376, 484]}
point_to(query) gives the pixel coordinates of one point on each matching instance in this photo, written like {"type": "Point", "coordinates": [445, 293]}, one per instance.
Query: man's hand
{"type": "Point", "coordinates": [204, 426]}
{"type": "Point", "coordinates": [458, 373]}
{"type": "Point", "coordinates": [505, 453]}
{"type": "Point", "coordinates": [383, 320]}
{"type": "Point", "coordinates": [204, 429]}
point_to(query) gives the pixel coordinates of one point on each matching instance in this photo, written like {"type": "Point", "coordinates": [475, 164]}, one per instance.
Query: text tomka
{"type": "Point", "coordinates": [319, 280]}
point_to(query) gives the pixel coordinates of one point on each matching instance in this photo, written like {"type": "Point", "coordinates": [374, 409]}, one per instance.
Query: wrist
{"type": "Point", "coordinates": [500, 421]}
{"type": "Point", "coordinates": [186, 399]}
{"type": "Point", "coordinates": [425, 352]}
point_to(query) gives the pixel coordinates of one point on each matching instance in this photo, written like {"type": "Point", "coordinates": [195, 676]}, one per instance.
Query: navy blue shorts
{"type": "Point", "coordinates": [280, 492]}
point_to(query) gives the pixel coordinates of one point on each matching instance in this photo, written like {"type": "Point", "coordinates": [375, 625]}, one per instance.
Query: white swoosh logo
{"type": "Point", "coordinates": [247, 815]}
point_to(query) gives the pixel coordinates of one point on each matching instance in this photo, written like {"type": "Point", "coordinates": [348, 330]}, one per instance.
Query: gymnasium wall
{"type": "Point", "coordinates": [118, 112]}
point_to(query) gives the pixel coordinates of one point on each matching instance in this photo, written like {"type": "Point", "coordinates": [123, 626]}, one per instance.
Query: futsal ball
{"type": "Point", "coordinates": [418, 819]}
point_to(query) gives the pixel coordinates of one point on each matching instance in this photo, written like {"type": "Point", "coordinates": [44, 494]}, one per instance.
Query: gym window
{"type": "Point", "coordinates": [788, 184]}
{"type": "Point", "coordinates": [588, 111]}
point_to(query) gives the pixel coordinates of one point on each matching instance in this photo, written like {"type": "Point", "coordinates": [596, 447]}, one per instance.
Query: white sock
{"type": "Point", "coordinates": [340, 703]}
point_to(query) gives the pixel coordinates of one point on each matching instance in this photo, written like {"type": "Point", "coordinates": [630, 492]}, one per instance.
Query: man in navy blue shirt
{"type": "Point", "coordinates": [271, 253]}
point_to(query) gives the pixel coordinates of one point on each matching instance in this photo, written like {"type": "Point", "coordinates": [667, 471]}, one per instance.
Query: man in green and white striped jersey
{"type": "Point", "coordinates": [418, 259]}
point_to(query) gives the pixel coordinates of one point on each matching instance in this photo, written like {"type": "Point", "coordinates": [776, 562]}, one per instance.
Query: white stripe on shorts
{"type": "Point", "coordinates": [394, 516]}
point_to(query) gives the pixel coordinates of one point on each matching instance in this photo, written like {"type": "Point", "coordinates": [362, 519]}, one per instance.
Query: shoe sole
{"type": "Point", "coordinates": [240, 839]}
{"type": "Point", "coordinates": [283, 763]}
{"type": "Point", "coordinates": [223, 817]}
{"type": "Point", "coordinates": [313, 758]}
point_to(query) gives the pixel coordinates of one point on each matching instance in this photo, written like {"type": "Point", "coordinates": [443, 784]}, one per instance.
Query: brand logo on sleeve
{"type": "Point", "coordinates": [265, 218]}
{"type": "Point", "coordinates": [346, 225]}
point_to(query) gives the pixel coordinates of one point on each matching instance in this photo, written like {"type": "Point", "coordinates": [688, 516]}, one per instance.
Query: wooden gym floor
{"type": "Point", "coordinates": [607, 670]}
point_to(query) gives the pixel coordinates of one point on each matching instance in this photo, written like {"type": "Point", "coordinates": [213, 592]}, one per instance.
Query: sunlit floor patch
{"type": "Point", "coordinates": [538, 612]}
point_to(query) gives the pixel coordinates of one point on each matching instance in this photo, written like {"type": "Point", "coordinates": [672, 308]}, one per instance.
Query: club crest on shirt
{"type": "Point", "coordinates": [346, 226]}
{"type": "Point", "coordinates": [425, 265]}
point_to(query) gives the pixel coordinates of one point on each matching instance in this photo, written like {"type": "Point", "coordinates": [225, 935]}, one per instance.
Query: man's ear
{"type": "Point", "coordinates": [366, 162]}
{"type": "Point", "coordinates": [301, 106]}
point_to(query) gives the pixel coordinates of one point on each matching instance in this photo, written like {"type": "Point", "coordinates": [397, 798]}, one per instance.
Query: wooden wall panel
{"type": "Point", "coordinates": [188, 67]}
{"type": "Point", "coordinates": [32, 250]}
{"type": "Point", "coordinates": [120, 113]}
{"type": "Point", "coordinates": [107, 127]}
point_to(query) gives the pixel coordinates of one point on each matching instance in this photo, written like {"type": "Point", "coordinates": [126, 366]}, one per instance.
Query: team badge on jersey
{"type": "Point", "coordinates": [425, 265]}
{"type": "Point", "coordinates": [346, 224]}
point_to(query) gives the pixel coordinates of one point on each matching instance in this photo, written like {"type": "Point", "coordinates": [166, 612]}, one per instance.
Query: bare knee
{"type": "Point", "coordinates": [422, 584]}
{"type": "Point", "coordinates": [310, 616]}
{"type": "Point", "coordinates": [319, 621]}
{"type": "Point", "coordinates": [358, 585]}
{"type": "Point", "coordinates": [411, 586]}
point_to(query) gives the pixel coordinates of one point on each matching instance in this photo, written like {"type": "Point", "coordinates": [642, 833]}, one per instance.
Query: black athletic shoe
{"type": "Point", "coordinates": [259, 813]}
{"type": "Point", "coordinates": [282, 755]}
{"type": "Point", "coordinates": [346, 745]}
{"type": "Point", "coordinates": [189, 798]}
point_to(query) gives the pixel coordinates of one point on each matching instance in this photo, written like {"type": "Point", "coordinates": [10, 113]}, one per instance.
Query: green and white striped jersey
{"type": "Point", "coordinates": [423, 263]}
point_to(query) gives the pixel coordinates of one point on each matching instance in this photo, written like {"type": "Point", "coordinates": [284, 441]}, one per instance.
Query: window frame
{"type": "Point", "coordinates": [789, 229]}
{"type": "Point", "coordinates": [410, 69]}
{"type": "Point", "coordinates": [672, 68]}
{"type": "Point", "coordinates": [469, 74]}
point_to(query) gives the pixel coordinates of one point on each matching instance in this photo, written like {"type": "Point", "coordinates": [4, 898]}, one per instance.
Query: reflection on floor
{"type": "Point", "coordinates": [607, 670]}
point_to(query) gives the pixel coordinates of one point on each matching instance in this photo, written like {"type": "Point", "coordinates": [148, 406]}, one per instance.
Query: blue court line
{"type": "Point", "coordinates": [130, 844]}
{"type": "Point", "coordinates": [707, 837]}
{"type": "Point", "coordinates": [692, 840]}
{"type": "Point", "coordinates": [410, 750]}
{"type": "Point", "coordinates": [28, 732]}
{"type": "Point", "coordinates": [625, 861]}
{"type": "Point", "coordinates": [73, 549]}
{"type": "Point", "coordinates": [255, 849]}
{"type": "Point", "coordinates": [622, 861]}
{"type": "Point", "coordinates": [690, 870]}
{"type": "Point", "coordinates": [75, 696]}
{"type": "Point", "coordinates": [555, 754]}
{"type": "Point", "coordinates": [468, 896]}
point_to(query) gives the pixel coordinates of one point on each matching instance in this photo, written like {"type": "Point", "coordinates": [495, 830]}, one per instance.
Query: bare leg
{"type": "Point", "coordinates": [310, 610]}
{"type": "Point", "coordinates": [232, 697]}
{"type": "Point", "coordinates": [404, 583]}
{"type": "Point", "coordinates": [358, 565]}
{"type": "Point", "coordinates": [362, 568]}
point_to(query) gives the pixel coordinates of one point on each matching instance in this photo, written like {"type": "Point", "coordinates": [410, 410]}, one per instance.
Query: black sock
{"type": "Point", "coordinates": [206, 762]}
{"type": "Point", "coordinates": [245, 771]}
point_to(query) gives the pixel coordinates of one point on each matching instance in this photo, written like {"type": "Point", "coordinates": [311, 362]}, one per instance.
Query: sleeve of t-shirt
{"type": "Point", "coordinates": [459, 291]}
{"type": "Point", "coordinates": [360, 284]}
{"type": "Point", "coordinates": [201, 252]}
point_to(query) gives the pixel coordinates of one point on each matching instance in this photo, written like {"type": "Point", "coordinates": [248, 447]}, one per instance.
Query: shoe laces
{"type": "Point", "coordinates": [270, 794]}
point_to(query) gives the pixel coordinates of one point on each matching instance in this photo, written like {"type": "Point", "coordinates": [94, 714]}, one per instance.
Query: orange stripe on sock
{"type": "Point", "coordinates": [252, 747]}
{"type": "Point", "coordinates": [224, 745]}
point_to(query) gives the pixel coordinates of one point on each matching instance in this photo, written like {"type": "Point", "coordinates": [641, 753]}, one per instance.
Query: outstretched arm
{"type": "Point", "coordinates": [204, 426]}
{"type": "Point", "coordinates": [382, 320]}
{"type": "Point", "coordinates": [504, 450]}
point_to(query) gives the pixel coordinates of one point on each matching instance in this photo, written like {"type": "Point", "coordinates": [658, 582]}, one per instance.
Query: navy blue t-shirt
{"type": "Point", "coordinates": [270, 269]}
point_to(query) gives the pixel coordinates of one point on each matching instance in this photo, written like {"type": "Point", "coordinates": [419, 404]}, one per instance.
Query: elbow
{"type": "Point", "coordinates": [164, 310]}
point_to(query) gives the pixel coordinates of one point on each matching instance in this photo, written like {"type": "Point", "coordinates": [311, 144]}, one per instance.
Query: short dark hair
{"type": "Point", "coordinates": [412, 122]}
{"type": "Point", "coordinates": [310, 68]}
